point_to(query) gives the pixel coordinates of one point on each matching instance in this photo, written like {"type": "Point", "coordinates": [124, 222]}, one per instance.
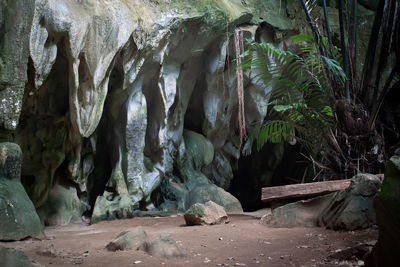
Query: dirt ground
{"type": "Point", "coordinates": [242, 242]}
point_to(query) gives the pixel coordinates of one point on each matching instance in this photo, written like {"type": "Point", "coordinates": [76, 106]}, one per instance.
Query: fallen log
{"type": "Point", "coordinates": [273, 193]}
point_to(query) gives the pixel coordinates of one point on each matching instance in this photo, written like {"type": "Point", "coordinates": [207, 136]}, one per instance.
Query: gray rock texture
{"type": "Point", "coordinates": [353, 209]}
{"type": "Point", "coordinates": [164, 246]}
{"type": "Point", "coordinates": [15, 258]}
{"type": "Point", "coordinates": [127, 240]}
{"type": "Point", "coordinates": [133, 102]}
{"type": "Point", "coordinates": [62, 207]}
{"type": "Point", "coordinates": [206, 214]}
{"type": "Point", "coordinates": [387, 206]}
{"type": "Point", "coordinates": [19, 219]}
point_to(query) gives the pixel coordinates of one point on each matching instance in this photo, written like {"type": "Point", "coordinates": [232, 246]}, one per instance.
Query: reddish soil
{"type": "Point", "coordinates": [242, 242]}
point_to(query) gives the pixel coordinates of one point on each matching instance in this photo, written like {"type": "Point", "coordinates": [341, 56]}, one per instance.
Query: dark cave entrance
{"type": "Point", "coordinates": [194, 115]}
{"type": "Point", "coordinates": [273, 165]}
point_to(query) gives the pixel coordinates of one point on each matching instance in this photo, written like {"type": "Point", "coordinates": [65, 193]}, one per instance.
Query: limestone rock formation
{"type": "Point", "coordinates": [350, 209]}
{"type": "Point", "coordinates": [62, 207]}
{"type": "Point", "coordinates": [387, 206]}
{"type": "Point", "coordinates": [133, 102]}
{"type": "Point", "coordinates": [18, 215]}
{"type": "Point", "coordinates": [207, 214]}
{"type": "Point", "coordinates": [15, 258]}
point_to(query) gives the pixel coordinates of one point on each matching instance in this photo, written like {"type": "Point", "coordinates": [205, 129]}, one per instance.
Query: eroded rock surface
{"type": "Point", "coordinates": [387, 206]}
{"type": "Point", "coordinates": [14, 258]}
{"type": "Point", "coordinates": [62, 207]}
{"type": "Point", "coordinates": [19, 219]}
{"type": "Point", "coordinates": [133, 103]}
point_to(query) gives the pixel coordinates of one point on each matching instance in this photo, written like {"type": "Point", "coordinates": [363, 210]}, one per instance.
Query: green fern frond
{"type": "Point", "coordinates": [275, 131]}
{"type": "Point", "coordinates": [300, 93]}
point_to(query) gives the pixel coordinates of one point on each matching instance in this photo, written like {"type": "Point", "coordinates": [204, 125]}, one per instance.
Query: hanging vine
{"type": "Point", "coordinates": [239, 48]}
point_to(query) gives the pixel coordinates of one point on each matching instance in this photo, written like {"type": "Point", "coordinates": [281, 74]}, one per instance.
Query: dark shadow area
{"type": "Point", "coordinates": [194, 115]}
{"type": "Point", "coordinates": [108, 135]}
{"type": "Point", "coordinates": [273, 165]}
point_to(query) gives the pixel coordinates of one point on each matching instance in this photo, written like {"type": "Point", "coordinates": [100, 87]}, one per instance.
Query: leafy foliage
{"type": "Point", "coordinates": [301, 93]}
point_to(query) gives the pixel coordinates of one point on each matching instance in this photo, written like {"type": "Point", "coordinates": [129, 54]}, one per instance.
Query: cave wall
{"type": "Point", "coordinates": [109, 98]}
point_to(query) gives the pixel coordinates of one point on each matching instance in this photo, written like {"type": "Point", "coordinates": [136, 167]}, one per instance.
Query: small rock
{"type": "Point", "coordinates": [48, 251]}
{"type": "Point", "coordinates": [128, 239]}
{"type": "Point", "coordinates": [205, 214]}
{"type": "Point", "coordinates": [137, 262]}
{"type": "Point", "coordinates": [165, 247]}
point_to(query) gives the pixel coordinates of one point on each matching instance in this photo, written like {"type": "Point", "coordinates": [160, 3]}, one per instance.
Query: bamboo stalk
{"type": "Point", "coordinates": [328, 30]}
{"type": "Point", "coordinates": [370, 55]}
{"type": "Point", "coordinates": [354, 39]}
{"type": "Point", "coordinates": [382, 96]}
{"type": "Point", "coordinates": [344, 49]}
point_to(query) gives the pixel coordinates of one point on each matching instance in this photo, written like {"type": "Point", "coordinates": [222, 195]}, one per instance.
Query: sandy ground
{"type": "Point", "coordinates": [242, 242]}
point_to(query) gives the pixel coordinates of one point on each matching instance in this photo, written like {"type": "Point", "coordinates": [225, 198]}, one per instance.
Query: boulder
{"type": "Point", "coordinates": [352, 209]}
{"type": "Point", "coordinates": [62, 207]}
{"type": "Point", "coordinates": [387, 206]}
{"type": "Point", "coordinates": [128, 240]}
{"type": "Point", "coordinates": [209, 214]}
{"type": "Point", "coordinates": [300, 213]}
{"type": "Point", "coordinates": [18, 217]}
{"type": "Point", "coordinates": [195, 153]}
{"type": "Point", "coordinates": [15, 258]}
{"type": "Point", "coordinates": [177, 195]}
{"type": "Point", "coordinates": [109, 207]}
{"type": "Point", "coordinates": [210, 192]}
{"type": "Point", "coordinates": [349, 209]}
{"type": "Point", "coordinates": [165, 247]}
{"type": "Point", "coordinates": [116, 203]}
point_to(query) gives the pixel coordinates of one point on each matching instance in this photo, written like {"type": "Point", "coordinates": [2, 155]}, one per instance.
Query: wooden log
{"type": "Point", "coordinates": [302, 190]}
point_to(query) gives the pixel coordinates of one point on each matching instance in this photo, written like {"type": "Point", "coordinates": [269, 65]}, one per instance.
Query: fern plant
{"type": "Point", "coordinates": [301, 94]}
